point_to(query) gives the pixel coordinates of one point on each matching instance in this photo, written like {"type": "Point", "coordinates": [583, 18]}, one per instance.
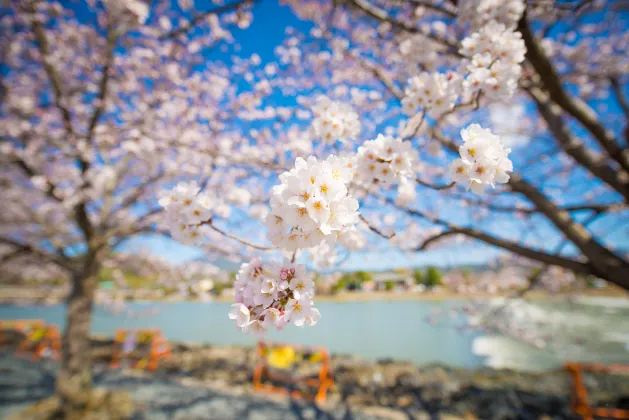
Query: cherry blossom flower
{"type": "Point", "coordinates": [136, 9]}
{"type": "Point", "coordinates": [479, 13]}
{"type": "Point", "coordinates": [186, 211]}
{"type": "Point", "coordinates": [483, 160]}
{"type": "Point", "coordinates": [385, 160]}
{"type": "Point", "coordinates": [273, 295]}
{"type": "Point", "coordinates": [311, 204]}
{"type": "Point", "coordinates": [334, 121]}
{"type": "Point", "coordinates": [496, 53]}
{"type": "Point", "coordinates": [435, 93]}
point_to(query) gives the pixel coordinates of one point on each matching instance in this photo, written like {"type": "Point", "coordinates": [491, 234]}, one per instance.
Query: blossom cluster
{"type": "Point", "coordinates": [334, 120]}
{"type": "Point", "coordinates": [311, 204]}
{"type": "Point", "coordinates": [495, 54]}
{"type": "Point", "coordinates": [484, 160]}
{"type": "Point", "coordinates": [385, 160]}
{"type": "Point", "coordinates": [186, 211]}
{"type": "Point", "coordinates": [479, 13]}
{"type": "Point", "coordinates": [273, 295]}
{"type": "Point", "coordinates": [434, 93]}
{"type": "Point", "coordinates": [419, 50]}
{"type": "Point", "coordinates": [135, 10]}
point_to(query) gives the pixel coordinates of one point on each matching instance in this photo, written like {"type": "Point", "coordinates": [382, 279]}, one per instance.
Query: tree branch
{"type": "Point", "coordinates": [617, 179]}
{"type": "Point", "coordinates": [28, 249]}
{"type": "Point", "coordinates": [382, 16]}
{"type": "Point", "coordinates": [451, 12]}
{"type": "Point", "coordinates": [435, 238]}
{"type": "Point", "coordinates": [236, 238]}
{"type": "Point", "coordinates": [597, 208]}
{"type": "Point", "coordinates": [102, 86]}
{"type": "Point", "coordinates": [200, 17]}
{"type": "Point", "coordinates": [53, 76]}
{"type": "Point", "coordinates": [435, 187]}
{"type": "Point", "coordinates": [375, 229]}
{"type": "Point", "coordinates": [623, 102]}
{"type": "Point", "coordinates": [607, 264]}
{"type": "Point", "coordinates": [502, 243]}
{"type": "Point", "coordinates": [573, 106]}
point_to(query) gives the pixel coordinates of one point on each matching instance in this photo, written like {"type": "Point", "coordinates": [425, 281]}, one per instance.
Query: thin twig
{"type": "Point", "coordinates": [198, 18]}
{"type": "Point", "coordinates": [375, 229]}
{"type": "Point", "coordinates": [435, 187]}
{"type": "Point", "coordinates": [236, 238]}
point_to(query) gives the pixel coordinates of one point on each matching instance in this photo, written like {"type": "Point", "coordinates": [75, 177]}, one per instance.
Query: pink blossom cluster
{"type": "Point", "coordinates": [273, 295]}
{"type": "Point", "coordinates": [334, 120]}
{"type": "Point", "coordinates": [435, 93]}
{"type": "Point", "coordinates": [479, 13]}
{"type": "Point", "coordinates": [385, 160]}
{"type": "Point", "coordinates": [484, 160]}
{"type": "Point", "coordinates": [312, 203]}
{"type": "Point", "coordinates": [495, 55]}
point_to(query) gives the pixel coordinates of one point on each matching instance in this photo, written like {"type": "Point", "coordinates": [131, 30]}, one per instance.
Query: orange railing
{"type": "Point", "coordinates": [158, 348]}
{"type": "Point", "coordinates": [263, 371]}
{"type": "Point", "coordinates": [37, 337]}
{"type": "Point", "coordinates": [580, 402]}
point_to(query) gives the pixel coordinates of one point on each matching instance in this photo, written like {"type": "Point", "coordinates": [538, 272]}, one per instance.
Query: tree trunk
{"type": "Point", "coordinates": [74, 381]}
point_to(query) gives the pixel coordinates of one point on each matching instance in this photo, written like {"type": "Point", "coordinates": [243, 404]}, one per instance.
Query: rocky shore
{"type": "Point", "coordinates": [392, 389]}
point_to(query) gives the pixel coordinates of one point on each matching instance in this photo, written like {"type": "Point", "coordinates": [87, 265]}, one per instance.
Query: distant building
{"type": "Point", "coordinates": [399, 281]}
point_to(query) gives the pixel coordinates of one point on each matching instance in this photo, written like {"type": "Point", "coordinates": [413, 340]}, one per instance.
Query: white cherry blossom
{"type": "Point", "coordinates": [484, 160]}
{"type": "Point", "coordinates": [272, 295]}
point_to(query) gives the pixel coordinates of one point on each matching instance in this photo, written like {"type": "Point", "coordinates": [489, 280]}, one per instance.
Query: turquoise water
{"type": "Point", "coordinates": [396, 330]}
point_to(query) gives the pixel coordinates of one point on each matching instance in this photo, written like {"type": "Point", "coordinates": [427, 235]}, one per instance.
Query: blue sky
{"type": "Point", "coordinates": [266, 32]}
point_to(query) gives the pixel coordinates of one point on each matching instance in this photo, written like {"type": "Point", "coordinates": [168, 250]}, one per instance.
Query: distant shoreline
{"type": "Point", "coordinates": [33, 297]}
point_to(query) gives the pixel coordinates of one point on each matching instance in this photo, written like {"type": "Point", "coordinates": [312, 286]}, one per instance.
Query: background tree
{"type": "Point", "coordinates": [102, 107]}
{"type": "Point", "coordinates": [566, 202]}
{"type": "Point", "coordinates": [417, 276]}
{"type": "Point", "coordinates": [433, 277]}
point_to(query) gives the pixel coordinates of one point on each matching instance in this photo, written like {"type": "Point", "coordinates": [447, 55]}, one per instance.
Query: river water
{"type": "Point", "coordinates": [588, 329]}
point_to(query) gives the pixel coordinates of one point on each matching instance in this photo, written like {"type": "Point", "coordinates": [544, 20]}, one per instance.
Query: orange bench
{"type": "Point", "coordinates": [283, 356]}
{"type": "Point", "coordinates": [158, 347]}
{"type": "Point", "coordinates": [39, 338]}
{"type": "Point", "coordinates": [580, 402]}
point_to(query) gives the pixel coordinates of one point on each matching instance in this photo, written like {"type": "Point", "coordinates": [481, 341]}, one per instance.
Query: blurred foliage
{"type": "Point", "coordinates": [433, 277]}
{"type": "Point", "coordinates": [389, 285]}
{"type": "Point", "coordinates": [352, 281]}
{"type": "Point", "coordinates": [133, 281]}
{"type": "Point", "coordinates": [219, 287]}
{"type": "Point", "coordinates": [417, 275]}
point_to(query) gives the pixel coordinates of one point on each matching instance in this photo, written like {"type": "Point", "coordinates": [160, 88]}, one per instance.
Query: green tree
{"type": "Point", "coordinates": [363, 276]}
{"type": "Point", "coordinates": [417, 275]}
{"type": "Point", "coordinates": [389, 285]}
{"type": "Point", "coordinates": [342, 283]}
{"type": "Point", "coordinates": [433, 277]}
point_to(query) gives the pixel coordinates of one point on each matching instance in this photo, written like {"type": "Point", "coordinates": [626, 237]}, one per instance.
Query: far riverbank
{"type": "Point", "coordinates": [25, 296]}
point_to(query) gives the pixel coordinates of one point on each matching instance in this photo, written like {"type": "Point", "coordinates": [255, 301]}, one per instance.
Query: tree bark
{"type": "Point", "coordinates": [74, 381]}
{"type": "Point", "coordinates": [618, 179]}
{"type": "Point", "coordinates": [574, 106]}
{"type": "Point", "coordinates": [604, 262]}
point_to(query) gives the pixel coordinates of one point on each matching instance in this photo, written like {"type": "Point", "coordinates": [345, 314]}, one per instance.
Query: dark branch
{"type": "Point", "coordinates": [375, 229]}
{"type": "Point", "coordinates": [435, 238]}
{"type": "Point", "coordinates": [200, 17]}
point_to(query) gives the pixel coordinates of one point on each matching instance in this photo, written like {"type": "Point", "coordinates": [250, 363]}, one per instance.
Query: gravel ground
{"type": "Point", "coordinates": [24, 382]}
